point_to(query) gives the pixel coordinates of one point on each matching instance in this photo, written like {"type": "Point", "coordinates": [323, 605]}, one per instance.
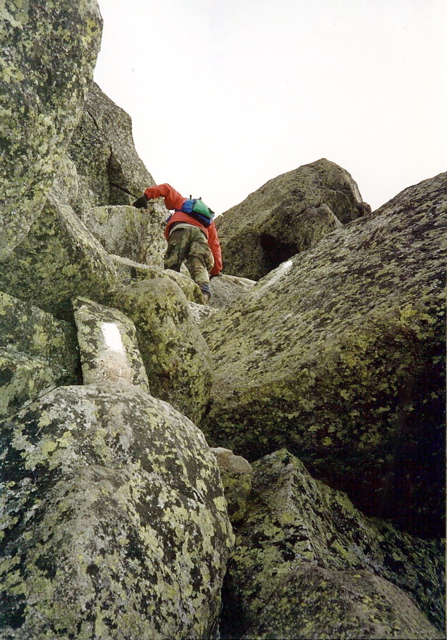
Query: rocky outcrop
{"type": "Point", "coordinates": [113, 521]}
{"type": "Point", "coordinates": [58, 260]}
{"type": "Point", "coordinates": [225, 289]}
{"type": "Point", "coordinates": [109, 170]}
{"type": "Point", "coordinates": [128, 232]}
{"type": "Point", "coordinates": [307, 564]}
{"type": "Point", "coordinates": [49, 51]}
{"type": "Point", "coordinates": [236, 474]}
{"type": "Point", "coordinates": [175, 354]}
{"type": "Point", "coordinates": [357, 604]}
{"type": "Point", "coordinates": [108, 345]}
{"type": "Point", "coordinates": [289, 214]}
{"type": "Point", "coordinates": [37, 353]}
{"type": "Point", "coordinates": [114, 512]}
{"type": "Point", "coordinates": [339, 356]}
{"type": "Point", "coordinates": [130, 271]}
{"type": "Point", "coordinates": [110, 175]}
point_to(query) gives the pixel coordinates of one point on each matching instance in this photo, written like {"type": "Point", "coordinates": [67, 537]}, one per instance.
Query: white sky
{"type": "Point", "coordinates": [227, 94]}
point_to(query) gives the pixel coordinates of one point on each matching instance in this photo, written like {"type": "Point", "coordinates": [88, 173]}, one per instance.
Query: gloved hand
{"type": "Point", "coordinates": [141, 202]}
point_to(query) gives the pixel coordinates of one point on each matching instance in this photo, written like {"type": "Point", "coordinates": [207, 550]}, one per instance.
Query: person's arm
{"type": "Point", "coordinates": [173, 199]}
{"type": "Point", "coordinates": [216, 250]}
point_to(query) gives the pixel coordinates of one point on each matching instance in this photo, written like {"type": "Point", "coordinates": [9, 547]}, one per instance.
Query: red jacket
{"type": "Point", "coordinates": [173, 200]}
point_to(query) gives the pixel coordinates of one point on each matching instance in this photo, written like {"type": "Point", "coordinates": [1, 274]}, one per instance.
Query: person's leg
{"type": "Point", "coordinates": [178, 243]}
{"type": "Point", "coordinates": [200, 261]}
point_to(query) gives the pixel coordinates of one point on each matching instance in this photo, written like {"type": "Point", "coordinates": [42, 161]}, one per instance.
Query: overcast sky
{"type": "Point", "coordinates": [227, 94]}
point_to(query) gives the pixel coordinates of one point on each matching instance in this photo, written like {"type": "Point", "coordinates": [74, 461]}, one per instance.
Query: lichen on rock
{"type": "Point", "coordinates": [176, 356]}
{"type": "Point", "coordinates": [129, 271]}
{"type": "Point", "coordinates": [287, 215]}
{"type": "Point", "coordinates": [294, 524]}
{"type": "Point", "coordinates": [58, 259]}
{"type": "Point", "coordinates": [339, 355]}
{"type": "Point", "coordinates": [113, 520]}
{"type": "Point", "coordinates": [48, 54]}
{"type": "Point", "coordinates": [37, 353]}
{"type": "Point", "coordinates": [108, 345]}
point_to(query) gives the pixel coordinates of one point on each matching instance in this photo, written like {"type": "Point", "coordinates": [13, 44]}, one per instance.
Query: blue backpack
{"type": "Point", "coordinates": [197, 209]}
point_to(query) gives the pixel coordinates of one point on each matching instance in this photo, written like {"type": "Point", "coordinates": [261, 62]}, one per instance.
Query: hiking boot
{"type": "Point", "coordinates": [206, 292]}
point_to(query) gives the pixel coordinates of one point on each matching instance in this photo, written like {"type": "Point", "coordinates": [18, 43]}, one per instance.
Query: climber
{"type": "Point", "coordinates": [189, 240]}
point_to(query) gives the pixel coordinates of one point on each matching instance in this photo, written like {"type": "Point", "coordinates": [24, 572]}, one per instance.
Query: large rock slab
{"type": "Point", "coordinates": [226, 289]}
{"type": "Point", "coordinates": [302, 545]}
{"type": "Point", "coordinates": [109, 176]}
{"type": "Point", "coordinates": [113, 520]}
{"type": "Point", "coordinates": [58, 260]}
{"type": "Point", "coordinates": [176, 356]}
{"type": "Point", "coordinates": [128, 232]}
{"type": "Point", "coordinates": [287, 215]}
{"type": "Point", "coordinates": [109, 169]}
{"type": "Point", "coordinates": [108, 345]}
{"type": "Point", "coordinates": [318, 603]}
{"type": "Point", "coordinates": [339, 356]}
{"type": "Point", "coordinates": [37, 353]}
{"type": "Point", "coordinates": [129, 271]}
{"type": "Point", "coordinates": [49, 50]}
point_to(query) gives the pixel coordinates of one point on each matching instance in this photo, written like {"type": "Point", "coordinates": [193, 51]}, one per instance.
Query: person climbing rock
{"type": "Point", "coordinates": [191, 235]}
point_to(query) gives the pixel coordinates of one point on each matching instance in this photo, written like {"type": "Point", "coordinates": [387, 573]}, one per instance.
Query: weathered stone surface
{"type": "Point", "coordinates": [319, 604]}
{"type": "Point", "coordinates": [133, 271]}
{"type": "Point", "coordinates": [339, 356]}
{"type": "Point", "coordinates": [31, 330]}
{"type": "Point", "coordinates": [48, 54]}
{"type": "Point", "coordinates": [226, 289]}
{"type": "Point", "coordinates": [59, 259]}
{"type": "Point", "coordinates": [113, 520]}
{"type": "Point", "coordinates": [37, 353]}
{"type": "Point", "coordinates": [108, 345]}
{"type": "Point", "coordinates": [287, 215]}
{"type": "Point", "coordinates": [175, 354]}
{"type": "Point", "coordinates": [201, 312]}
{"type": "Point", "coordinates": [128, 232]}
{"type": "Point", "coordinates": [109, 169]}
{"type": "Point", "coordinates": [294, 524]}
{"type": "Point", "coordinates": [236, 474]}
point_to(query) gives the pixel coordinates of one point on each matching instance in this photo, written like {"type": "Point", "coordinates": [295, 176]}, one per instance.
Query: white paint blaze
{"type": "Point", "coordinates": [112, 337]}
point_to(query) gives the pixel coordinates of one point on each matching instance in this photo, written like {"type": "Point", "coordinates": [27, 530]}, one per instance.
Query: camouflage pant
{"type": "Point", "coordinates": [188, 244]}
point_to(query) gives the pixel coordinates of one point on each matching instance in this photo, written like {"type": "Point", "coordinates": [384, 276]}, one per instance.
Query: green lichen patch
{"type": "Point", "coordinates": [37, 353]}
{"type": "Point", "coordinates": [102, 148]}
{"type": "Point", "coordinates": [30, 330]}
{"type": "Point", "coordinates": [236, 474]}
{"type": "Point", "coordinates": [113, 520]}
{"type": "Point", "coordinates": [339, 355]}
{"type": "Point", "coordinates": [292, 520]}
